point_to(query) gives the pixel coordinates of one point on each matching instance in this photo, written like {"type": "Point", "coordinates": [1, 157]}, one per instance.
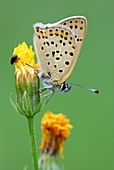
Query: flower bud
{"type": "Point", "coordinates": [26, 80]}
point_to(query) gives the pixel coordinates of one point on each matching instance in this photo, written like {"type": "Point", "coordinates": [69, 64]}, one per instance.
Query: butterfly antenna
{"type": "Point", "coordinates": [37, 69]}
{"type": "Point", "coordinates": [84, 87]}
{"type": "Point", "coordinates": [32, 66]}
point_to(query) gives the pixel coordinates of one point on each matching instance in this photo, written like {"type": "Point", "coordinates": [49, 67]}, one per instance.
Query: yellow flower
{"type": "Point", "coordinates": [26, 81]}
{"type": "Point", "coordinates": [22, 55]}
{"type": "Point", "coordinates": [55, 129]}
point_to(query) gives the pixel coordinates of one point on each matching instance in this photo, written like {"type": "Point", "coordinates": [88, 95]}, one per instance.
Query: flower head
{"type": "Point", "coordinates": [23, 55]}
{"type": "Point", "coordinates": [26, 81]}
{"type": "Point", "coordinates": [56, 129]}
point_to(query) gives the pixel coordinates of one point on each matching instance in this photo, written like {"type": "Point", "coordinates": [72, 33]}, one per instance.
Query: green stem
{"type": "Point", "coordinates": [32, 141]}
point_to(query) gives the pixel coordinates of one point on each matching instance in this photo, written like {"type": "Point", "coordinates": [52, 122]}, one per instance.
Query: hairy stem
{"type": "Point", "coordinates": [33, 141]}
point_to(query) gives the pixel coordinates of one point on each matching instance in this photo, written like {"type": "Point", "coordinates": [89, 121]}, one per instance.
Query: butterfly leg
{"type": "Point", "coordinates": [49, 96]}
{"type": "Point", "coordinates": [46, 88]}
{"type": "Point", "coordinates": [42, 89]}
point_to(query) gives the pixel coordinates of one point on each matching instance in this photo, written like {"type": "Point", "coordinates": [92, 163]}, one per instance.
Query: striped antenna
{"type": "Point", "coordinates": [84, 87]}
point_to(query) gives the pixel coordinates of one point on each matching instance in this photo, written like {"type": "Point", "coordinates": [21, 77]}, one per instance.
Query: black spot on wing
{"type": "Point", "coordinates": [53, 53]}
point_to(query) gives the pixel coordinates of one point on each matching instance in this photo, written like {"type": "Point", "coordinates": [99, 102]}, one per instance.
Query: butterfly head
{"type": "Point", "coordinates": [64, 87]}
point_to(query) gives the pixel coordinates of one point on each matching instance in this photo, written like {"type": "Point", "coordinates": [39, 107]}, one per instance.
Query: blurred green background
{"type": "Point", "coordinates": [91, 143]}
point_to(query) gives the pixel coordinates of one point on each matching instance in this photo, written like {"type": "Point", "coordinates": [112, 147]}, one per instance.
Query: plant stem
{"type": "Point", "coordinates": [33, 141]}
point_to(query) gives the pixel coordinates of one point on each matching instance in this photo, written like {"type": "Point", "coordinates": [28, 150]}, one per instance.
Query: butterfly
{"type": "Point", "coordinates": [57, 48]}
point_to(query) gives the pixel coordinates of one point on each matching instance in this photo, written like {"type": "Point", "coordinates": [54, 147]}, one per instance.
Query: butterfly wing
{"type": "Point", "coordinates": [57, 47]}
{"type": "Point", "coordinates": [78, 26]}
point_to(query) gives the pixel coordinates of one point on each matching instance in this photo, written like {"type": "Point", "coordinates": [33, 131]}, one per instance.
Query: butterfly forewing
{"type": "Point", "coordinates": [56, 51]}
{"type": "Point", "coordinates": [78, 26]}
{"type": "Point", "coordinates": [57, 46]}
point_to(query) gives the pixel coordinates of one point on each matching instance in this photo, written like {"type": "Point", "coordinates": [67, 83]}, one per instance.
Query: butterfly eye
{"type": "Point", "coordinates": [64, 87]}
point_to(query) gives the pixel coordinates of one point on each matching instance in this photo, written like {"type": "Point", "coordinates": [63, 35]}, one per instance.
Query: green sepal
{"type": "Point", "coordinates": [38, 109]}
{"type": "Point", "coordinates": [50, 163]}
{"type": "Point", "coordinates": [13, 104]}
{"type": "Point", "coordinates": [26, 107]}
{"type": "Point", "coordinates": [19, 110]}
{"type": "Point", "coordinates": [28, 97]}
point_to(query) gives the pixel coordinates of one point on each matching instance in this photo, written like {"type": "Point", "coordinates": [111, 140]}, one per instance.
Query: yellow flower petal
{"type": "Point", "coordinates": [55, 129]}
{"type": "Point", "coordinates": [24, 55]}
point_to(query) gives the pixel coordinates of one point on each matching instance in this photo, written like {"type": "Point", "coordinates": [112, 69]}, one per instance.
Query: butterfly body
{"type": "Point", "coordinates": [57, 48]}
{"type": "Point", "coordinates": [52, 86]}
